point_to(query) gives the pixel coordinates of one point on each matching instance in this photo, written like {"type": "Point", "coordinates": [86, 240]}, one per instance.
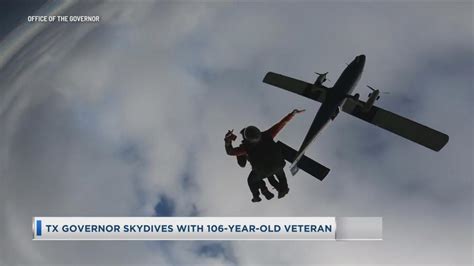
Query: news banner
{"type": "Point", "coordinates": [207, 228]}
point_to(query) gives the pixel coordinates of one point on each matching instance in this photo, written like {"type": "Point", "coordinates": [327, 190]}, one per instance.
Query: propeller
{"type": "Point", "coordinates": [382, 92]}
{"type": "Point", "coordinates": [323, 74]}
{"type": "Point", "coordinates": [377, 93]}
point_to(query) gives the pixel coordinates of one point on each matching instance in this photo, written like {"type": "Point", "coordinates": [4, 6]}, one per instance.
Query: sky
{"type": "Point", "coordinates": [126, 117]}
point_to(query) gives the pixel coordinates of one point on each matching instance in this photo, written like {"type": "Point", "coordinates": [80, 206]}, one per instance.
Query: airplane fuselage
{"type": "Point", "coordinates": [346, 83]}
{"type": "Point", "coordinates": [335, 97]}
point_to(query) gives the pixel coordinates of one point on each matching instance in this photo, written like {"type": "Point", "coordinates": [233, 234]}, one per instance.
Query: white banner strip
{"type": "Point", "coordinates": [206, 228]}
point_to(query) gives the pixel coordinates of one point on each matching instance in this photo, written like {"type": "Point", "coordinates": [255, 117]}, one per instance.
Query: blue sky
{"type": "Point", "coordinates": [127, 117]}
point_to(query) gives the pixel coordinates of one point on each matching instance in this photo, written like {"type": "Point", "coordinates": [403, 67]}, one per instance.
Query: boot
{"type": "Point", "coordinates": [256, 198]}
{"type": "Point", "coordinates": [282, 192]}
{"type": "Point", "coordinates": [268, 195]}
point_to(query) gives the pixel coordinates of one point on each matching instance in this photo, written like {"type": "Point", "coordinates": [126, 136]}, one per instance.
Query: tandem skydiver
{"type": "Point", "coordinates": [264, 156]}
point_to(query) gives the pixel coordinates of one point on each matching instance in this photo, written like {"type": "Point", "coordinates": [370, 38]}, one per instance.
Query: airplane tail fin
{"type": "Point", "coordinates": [306, 164]}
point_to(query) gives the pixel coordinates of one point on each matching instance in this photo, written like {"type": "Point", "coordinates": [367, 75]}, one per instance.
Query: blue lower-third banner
{"type": "Point", "coordinates": [207, 228]}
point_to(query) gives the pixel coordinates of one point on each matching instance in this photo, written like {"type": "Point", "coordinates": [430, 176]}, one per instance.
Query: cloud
{"type": "Point", "coordinates": [127, 117]}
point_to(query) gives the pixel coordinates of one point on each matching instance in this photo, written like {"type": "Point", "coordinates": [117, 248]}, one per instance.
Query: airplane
{"type": "Point", "coordinates": [340, 95]}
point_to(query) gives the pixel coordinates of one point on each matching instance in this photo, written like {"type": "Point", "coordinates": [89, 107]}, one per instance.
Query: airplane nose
{"type": "Point", "coordinates": [360, 59]}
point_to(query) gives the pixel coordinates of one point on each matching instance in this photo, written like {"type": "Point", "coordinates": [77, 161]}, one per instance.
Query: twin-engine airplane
{"type": "Point", "coordinates": [340, 96]}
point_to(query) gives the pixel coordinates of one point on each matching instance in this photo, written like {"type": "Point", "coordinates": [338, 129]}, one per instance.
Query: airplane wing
{"type": "Point", "coordinates": [399, 125]}
{"type": "Point", "coordinates": [314, 92]}
{"type": "Point", "coordinates": [306, 164]}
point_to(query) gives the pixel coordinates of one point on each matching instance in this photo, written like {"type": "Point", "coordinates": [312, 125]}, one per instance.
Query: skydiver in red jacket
{"type": "Point", "coordinates": [264, 156]}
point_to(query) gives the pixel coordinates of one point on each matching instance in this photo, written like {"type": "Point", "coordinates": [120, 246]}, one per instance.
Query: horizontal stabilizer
{"type": "Point", "coordinates": [397, 124]}
{"type": "Point", "coordinates": [306, 164]}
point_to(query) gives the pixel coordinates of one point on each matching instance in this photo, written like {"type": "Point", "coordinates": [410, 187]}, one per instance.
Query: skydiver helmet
{"type": "Point", "coordinates": [252, 134]}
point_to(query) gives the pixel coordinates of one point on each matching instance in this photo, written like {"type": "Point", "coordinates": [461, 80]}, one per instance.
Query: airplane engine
{"type": "Point", "coordinates": [367, 106]}
{"type": "Point", "coordinates": [322, 77]}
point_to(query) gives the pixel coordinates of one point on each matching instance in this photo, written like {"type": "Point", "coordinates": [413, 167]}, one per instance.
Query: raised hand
{"type": "Point", "coordinates": [229, 136]}
{"type": "Point", "coordinates": [296, 111]}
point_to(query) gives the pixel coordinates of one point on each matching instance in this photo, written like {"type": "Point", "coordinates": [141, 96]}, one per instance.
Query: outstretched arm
{"type": "Point", "coordinates": [280, 125]}
{"type": "Point", "coordinates": [229, 137]}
